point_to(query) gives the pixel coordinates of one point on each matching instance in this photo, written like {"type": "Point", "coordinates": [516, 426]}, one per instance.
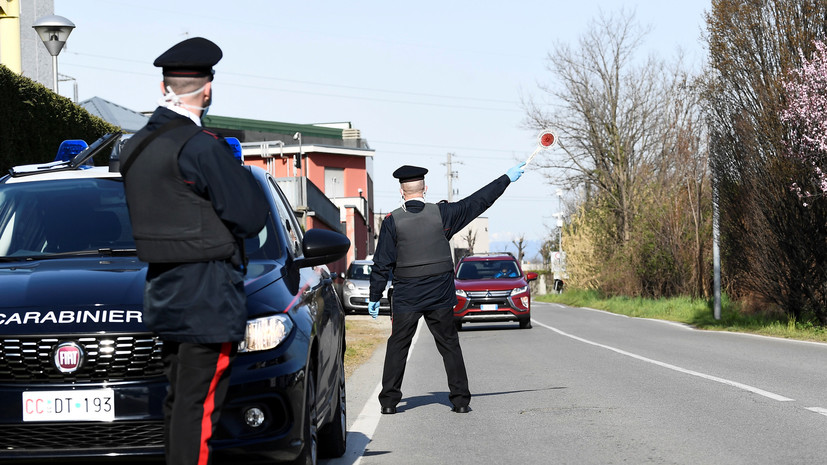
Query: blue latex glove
{"type": "Point", "coordinates": [516, 171]}
{"type": "Point", "coordinates": [373, 309]}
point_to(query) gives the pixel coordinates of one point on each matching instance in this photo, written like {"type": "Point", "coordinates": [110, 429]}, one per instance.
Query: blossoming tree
{"type": "Point", "coordinates": [806, 115]}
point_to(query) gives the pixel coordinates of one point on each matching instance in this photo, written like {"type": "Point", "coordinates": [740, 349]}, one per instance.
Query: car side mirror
{"type": "Point", "coordinates": [531, 276]}
{"type": "Point", "coordinates": [321, 246]}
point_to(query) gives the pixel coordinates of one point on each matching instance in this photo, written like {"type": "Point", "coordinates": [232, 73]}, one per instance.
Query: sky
{"type": "Point", "coordinates": [418, 79]}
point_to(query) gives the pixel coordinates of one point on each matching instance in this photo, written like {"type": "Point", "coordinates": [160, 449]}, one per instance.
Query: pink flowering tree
{"type": "Point", "coordinates": [806, 116]}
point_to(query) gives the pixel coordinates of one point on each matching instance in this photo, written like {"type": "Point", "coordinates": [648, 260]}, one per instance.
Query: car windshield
{"type": "Point", "coordinates": [43, 219]}
{"type": "Point", "coordinates": [488, 269]}
{"type": "Point", "coordinates": [358, 271]}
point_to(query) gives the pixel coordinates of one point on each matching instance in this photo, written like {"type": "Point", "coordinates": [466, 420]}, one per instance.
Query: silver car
{"type": "Point", "coordinates": [356, 288]}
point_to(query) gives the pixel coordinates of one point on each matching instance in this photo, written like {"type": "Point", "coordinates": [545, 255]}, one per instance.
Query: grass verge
{"type": "Point", "coordinates": [695, 312]}
{"type": "Point", "coordinates": [362, 337]}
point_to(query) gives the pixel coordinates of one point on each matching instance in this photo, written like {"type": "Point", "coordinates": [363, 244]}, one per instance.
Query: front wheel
{"type": "Point", "coordinates": [525, 323]}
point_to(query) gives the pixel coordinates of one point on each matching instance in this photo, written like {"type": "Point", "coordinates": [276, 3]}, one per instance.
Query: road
{"type": "Point", "coordinates": [589, 387]}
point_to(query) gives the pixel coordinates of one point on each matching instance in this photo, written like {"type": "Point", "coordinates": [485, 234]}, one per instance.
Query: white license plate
{"type": "Point", "coordinates": [80, 405]}
{"type": "Point", "coordinates": [489, 307]}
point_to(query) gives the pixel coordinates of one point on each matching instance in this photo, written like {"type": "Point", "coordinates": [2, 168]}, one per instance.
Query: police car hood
{"type": "Point", "coordinates": [80, 295]}
{"type": "Point", "coordinates": [70, 295]}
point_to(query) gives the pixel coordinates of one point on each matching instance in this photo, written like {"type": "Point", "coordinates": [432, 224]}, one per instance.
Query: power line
{"type": "Point", "coordinates": [320, 94]}
{"type": "Point", "coordinates": [265, 25]}
{"type": "Point", "coordinates": [444, 147]}
{"type": "Point", "coordinates": [298, 81]}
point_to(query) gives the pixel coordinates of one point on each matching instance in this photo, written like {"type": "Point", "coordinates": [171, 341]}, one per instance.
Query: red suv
{"type": "Point", "coordinates": [492, 287]}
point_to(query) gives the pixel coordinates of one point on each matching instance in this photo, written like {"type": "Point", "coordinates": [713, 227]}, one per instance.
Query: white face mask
{"type": "Point", "coordinates": [171, 99]}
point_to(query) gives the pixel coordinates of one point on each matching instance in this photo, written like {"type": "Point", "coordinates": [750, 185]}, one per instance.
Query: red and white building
{"type": "Point", "coordinates": [325, 170]}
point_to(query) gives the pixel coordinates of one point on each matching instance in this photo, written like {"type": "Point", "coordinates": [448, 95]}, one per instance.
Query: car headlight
{"type": "Point", "coordinates": [519, 290]}
{"type": "Point", "coordinates": [461, 293]}
{"type": "Point", "coordinates": [265, 333]}
{"type": "Point", "coordinates": [350, 285]}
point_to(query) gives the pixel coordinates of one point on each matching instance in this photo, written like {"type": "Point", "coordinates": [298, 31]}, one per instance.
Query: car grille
{"type": "Point", "coordinates": [110, 357]}
{"type": "Point", "coordinates": [488, 294]}
{"type": "Point", "coordinates": [107, 437]}
{"type": "Point", "coordinates": [358, 302]}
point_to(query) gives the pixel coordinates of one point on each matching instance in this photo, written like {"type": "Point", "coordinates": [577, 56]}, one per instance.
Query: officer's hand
{"type": "Point", "coordinates": [516, 171]}
{"type": "Point", "coordinates": [373, 309]}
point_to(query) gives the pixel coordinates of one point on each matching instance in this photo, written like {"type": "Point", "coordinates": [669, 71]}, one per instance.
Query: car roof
{"type": "Point", "coordinates": [488, 256]}
{"type": "Point", "coordinates": [60, 170]}
{"type": "Point", "coordinates": [87, 173]}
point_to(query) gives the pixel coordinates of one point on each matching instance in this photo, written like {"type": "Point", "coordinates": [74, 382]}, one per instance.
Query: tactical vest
{"type": "Point", "coordinates": [170, 222]}
{"type": "Point", "coordinates": [421, 246]}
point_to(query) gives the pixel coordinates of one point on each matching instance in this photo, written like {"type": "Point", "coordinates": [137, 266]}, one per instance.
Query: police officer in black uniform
{"type": "Point", "coordinates": [413, 245]}
{"type": "Point", "coordinates": [191, 205]}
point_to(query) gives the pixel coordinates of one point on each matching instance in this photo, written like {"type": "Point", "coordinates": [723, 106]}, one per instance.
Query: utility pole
{"type": "Point", "coordinates": [451, 174]}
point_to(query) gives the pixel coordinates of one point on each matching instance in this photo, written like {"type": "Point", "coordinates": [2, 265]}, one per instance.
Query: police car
{"type": "Point", "coordinates": [81, 376]}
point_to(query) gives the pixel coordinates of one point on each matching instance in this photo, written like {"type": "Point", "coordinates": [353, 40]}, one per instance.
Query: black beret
{"type": "Point", "coordinates": [193, 57]}
{"type": "Point", "coordinates": [407, 173]}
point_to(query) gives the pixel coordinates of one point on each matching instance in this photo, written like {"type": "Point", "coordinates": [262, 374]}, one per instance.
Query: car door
{"type": "Point", "coordinates": [316, 301]}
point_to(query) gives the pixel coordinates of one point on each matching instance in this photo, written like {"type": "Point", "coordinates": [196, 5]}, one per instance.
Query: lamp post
{"type": "Point", "coordinates": [53, 31]}
{"type": "Point", "coordinates": [559, 274]}
{"type": "Point", "coordinates": [298, 165]}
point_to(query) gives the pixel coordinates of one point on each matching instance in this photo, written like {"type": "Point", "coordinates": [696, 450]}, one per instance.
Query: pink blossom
{"type": "Point", "coordinates": [806, 116]}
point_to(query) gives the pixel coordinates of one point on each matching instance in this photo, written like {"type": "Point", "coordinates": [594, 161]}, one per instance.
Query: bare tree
{"type": "Point", "coordinates": [773, 249]}
{"type": "Point", "coordinates": [546, 250]}
{"type": "Point", "coordinates": [520, 244]}
{"type": "Point", "coordinates": [608, 114]}
{"type": "Point", "coordinates": [470, 238]}
{"type": "Point", "coordinates": [632, 139]}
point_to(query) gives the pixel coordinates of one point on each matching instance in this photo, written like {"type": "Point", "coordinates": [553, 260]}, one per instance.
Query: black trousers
{"type": "Point", "coordinates": [403, 327]}
{"type": "Point", "coordinates": [199, 375]}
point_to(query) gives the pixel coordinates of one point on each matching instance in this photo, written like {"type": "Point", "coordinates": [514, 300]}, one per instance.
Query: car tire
{"type": "Point", "coordinates": [525, 323]}
{"type": "Point", "coordinates": [333, 436]}
{"type": "Point", "coordinates": [310, 434]}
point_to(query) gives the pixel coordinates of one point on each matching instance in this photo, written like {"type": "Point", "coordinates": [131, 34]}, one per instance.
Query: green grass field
{"type": "Point", "coordinates": [695, 312]}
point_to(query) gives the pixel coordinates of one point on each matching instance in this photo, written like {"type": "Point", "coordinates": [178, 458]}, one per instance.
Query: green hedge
{"type": "Point", "coordinates": [34, 121]}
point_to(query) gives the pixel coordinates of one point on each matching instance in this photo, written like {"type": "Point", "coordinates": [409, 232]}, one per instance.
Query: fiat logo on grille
{"type": "Point", "coordinates": [68, 357]}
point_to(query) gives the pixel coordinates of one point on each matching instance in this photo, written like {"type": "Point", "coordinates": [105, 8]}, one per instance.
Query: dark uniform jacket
{"type": "Point", "coordinates": [436, 291]}
{"type": "Point", "coordinates": [204, 301]}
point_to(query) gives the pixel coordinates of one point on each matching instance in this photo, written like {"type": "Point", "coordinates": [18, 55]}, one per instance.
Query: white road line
{"type": "Point", "coordinates": [358, 435]}
{"type": "Point", "coordinates": [361, 432]}
{"type": "Point", "coordinates": [736, 384]}
{"type": "Point", "coordinates": [819, 410]}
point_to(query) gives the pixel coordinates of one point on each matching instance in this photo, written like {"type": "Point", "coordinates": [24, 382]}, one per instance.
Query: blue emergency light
{"type": "Point", "coordinates": [69, 148]}
{"type": "Point", "coordinates": [235, 146]}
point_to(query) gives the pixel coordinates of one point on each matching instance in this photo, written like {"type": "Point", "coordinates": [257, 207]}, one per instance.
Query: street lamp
{"type": "Point", "coordinates": [53, 31]}
{"type": "Point", "coordinates": [298, 136]}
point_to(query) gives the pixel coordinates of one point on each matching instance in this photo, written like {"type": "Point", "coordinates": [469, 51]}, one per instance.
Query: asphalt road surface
{"type": "Point", "coordinates": [589, 387]}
